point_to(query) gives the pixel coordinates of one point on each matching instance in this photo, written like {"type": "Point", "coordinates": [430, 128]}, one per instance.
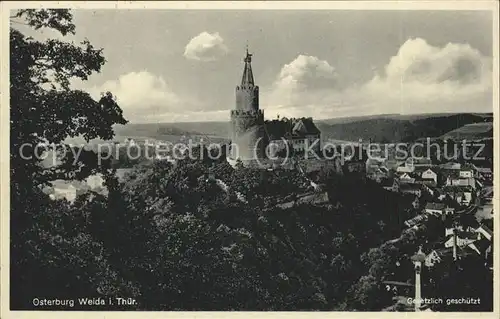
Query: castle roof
{"type": "Point", "coordinates": [456, 189]}
{"type": "Point", "coordinates": [305, 126]}
{"type": "Point", "coordinates": [277, 129]}
{"type": "Point", "coordinates": [247, 78]}
{"type": "Point", "coordinates": [291, 128]}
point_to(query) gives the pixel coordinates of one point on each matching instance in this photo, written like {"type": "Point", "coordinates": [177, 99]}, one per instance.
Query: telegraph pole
{"type": "Point", "coordinates": [455, 241]}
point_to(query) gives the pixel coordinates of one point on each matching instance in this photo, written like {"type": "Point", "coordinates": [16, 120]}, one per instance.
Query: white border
{"type": "Point", "coordinates": [492, 5]}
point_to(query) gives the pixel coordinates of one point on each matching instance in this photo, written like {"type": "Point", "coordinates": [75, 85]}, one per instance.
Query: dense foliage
{"type": "Point", "coordinates": [173, 239]}
{"type": "Point", "coordinates": [44, 110]}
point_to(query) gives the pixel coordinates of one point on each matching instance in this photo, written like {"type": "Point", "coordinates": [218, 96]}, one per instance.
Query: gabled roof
{"type": "Point", "coordinates": [421, 169]}
{"type": "Point", "coordinates": [467, 234]}
{"type": "Point", "coordinates": [387, 182]}
{"type": "Point", "coordinates": [305, 126]}
{"type": "Point", "coordinates": [482, 244]}
{"type": "Point", "coordinates": [457, 189]}
{"type": "Point", "coordinates": [450, 165]}
{"type": "Point", "coordinates": [456, 173]}
{"type": "Point", "coordinates": [419, 160]}
{"type": "Point", "coordinates": [416, 220]}
{"type": "Point", "coordinates": [484, 170]}
{"type": "Point", "coordinates": [486, 229]}
{"type": "Point", "coordinates": [430, 180]}
{"type": "Point", "coordinates": [278, 129]}
{"type": "Point", "coordinates": [291, 128]}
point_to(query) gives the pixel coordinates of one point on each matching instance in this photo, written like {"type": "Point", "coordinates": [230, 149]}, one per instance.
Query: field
{"type": "Point", "coordinates": [472, 131]}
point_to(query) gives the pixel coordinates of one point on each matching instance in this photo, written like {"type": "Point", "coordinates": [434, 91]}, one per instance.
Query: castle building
{"type": "Point", "coordinates": [247, 132]}
{"type": "Point", "coordinates": [299, 134]}
{"type": "Point", "coordinates": [250, 134]}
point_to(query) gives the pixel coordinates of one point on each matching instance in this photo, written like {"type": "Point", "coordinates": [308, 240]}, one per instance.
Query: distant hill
{"type": "Point", "coordinates": [351, 119]}
{"type": "Point", "coordinates": [399, 128]}
{"type": "Point", "coordinates": [410, 117]}
{"type": "Point", "coordinates": [377, 128]}
{"type": "Point", "coordinates": [172, 131]}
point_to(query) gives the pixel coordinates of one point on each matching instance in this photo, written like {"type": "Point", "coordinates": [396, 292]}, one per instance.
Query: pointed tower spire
{"type": "Point", "coordinates": [247, 78]}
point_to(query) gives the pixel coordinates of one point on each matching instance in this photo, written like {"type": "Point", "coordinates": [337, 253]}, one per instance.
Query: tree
{"type": "Point", "coordinates": [44, 110]}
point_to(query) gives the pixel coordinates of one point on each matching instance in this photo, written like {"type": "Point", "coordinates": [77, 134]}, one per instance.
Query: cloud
{"type": "Point", "coordinates": [205, 47]}
{"type": "Point", "coordinates": [144, 97]}
{"type": "Point", "coordinates": [420, 78]}
{"type": "Point", "coordinates": [303, 75]}
{"type": "Point", "coordinates": [419, 62]}
{"type": "Point", "coordinates": [455, 77]}
{"type": "Point", "coordinates": [307, 72]}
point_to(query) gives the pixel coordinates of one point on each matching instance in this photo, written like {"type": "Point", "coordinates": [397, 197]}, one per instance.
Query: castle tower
{"type": "Point", "coordinates": [247, 120]}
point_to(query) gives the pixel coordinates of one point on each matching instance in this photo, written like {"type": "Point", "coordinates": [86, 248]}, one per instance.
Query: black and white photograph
{"type": "Point", "coordinates": [249, 156]}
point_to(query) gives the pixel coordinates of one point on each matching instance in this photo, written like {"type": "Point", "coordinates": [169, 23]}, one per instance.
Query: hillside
{"type": "Point", "coordinates": [399, 129]}
{"type": "Point", "coordinates": [157, 130]}
{"type": "Point", "coordinates": [472, 131]}
{"type": "Point", "coordinates": [380, 128]}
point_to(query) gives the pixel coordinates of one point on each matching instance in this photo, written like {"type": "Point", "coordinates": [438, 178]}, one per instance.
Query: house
{"type": "Point", "coordinates": [419, 162]}
{"type": "Point", "coordinates": [416, 202]}
{"type": "Point", "coordinates": [482, 247]}
{"type": "Point", "coordinates": [436, 209]}
{"type": "Point", "coordinates": [427, 182]}
{"type": "Point", "coordinates": [377, 176]}
{"type": "Point", "coordinates": [405, 168]}
{"type": "Point", "coordinates": [485, 172]}
{"type": "Point", "coordinates": [454, 178]}
{"type": "Point", "coordinates": [395, 185]}
{"type": "Point", "coordinates": [461, 194]}
{"type": "Point", "coordinates": [373, 164]}
{"type": "Point", "coordinates": [459, 197]}
{"type": "Point", "coordinates": [357, 166]}
{"type": "Point", "coordinates": [417, 220]}
{"type": "Point", "coordinates": [451, 166]}
{"type": "Point", "coordinates": [448, 231]}
{"type": "Point", "coordinates": [305, 134]}
{"type": "Point", "coordinates": [390, 184]}
{"type": "Point", "coordinates": [406, 178]}
{"type": "Point", "coordinates": [484, 232]}
{"type": "Point", "coordinates": [432, 259]}
{"type": "Point", "coordinates": [449, 211]}
{"type": "Point", "coordinates": [429, 174]}
{"type": "Point", "coordinates": [413, 163]}
{"type": "Point", "coordinates": [298, 134]}
{"type": "Point", "coordinates": [392, 164]}
{"type": "Point", "coordinates": [461, 242]}
{"type": "Point", "coordinates": [408, 188]}
{"type": "Point", "coordinates": [466, 173]}
{"type": "Point", "coordinates": [375, 170]}
{"type": "Point", "coordinates": [479, 185]}
{"type": "Point", "coordinates": [306, 198]}
{"type": "Point", "coordinates": [427, 189]}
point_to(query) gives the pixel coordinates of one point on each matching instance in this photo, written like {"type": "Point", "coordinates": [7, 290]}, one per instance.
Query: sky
{"type": "Point", "coordinates": [184, 65]}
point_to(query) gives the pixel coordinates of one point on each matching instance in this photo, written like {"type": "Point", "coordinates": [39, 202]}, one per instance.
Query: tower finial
{"type": "Point", "coordinates": [247, 79]}
{"type": "Point", "coordinates": [248, 56]}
